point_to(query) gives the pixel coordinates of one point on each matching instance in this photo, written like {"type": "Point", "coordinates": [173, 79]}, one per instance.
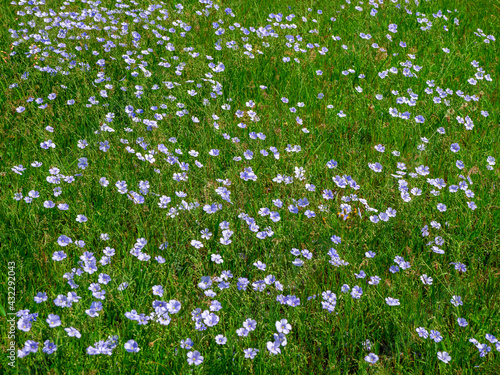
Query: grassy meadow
{"type": "Point", "coordinates": [250, 187]}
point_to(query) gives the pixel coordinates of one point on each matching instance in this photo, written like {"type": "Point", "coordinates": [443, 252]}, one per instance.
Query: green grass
{"type": "Point", "coordinates": [319, 341]}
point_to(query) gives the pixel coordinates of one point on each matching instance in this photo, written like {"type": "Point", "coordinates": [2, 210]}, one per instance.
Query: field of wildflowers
{"type": "Point", "coordinates": [253, 187]}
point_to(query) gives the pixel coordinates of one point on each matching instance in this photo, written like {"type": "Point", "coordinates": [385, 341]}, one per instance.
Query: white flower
{"type": "Point", "coordinates": [196, 244]}
{"type": "Point", "coordinates": [444, 356]}
{"type": "Point", "coordinates": [283, 326]}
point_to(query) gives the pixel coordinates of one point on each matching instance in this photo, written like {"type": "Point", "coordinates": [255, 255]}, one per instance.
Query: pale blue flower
{"type": "Point", "coordinates": [131, 346]}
